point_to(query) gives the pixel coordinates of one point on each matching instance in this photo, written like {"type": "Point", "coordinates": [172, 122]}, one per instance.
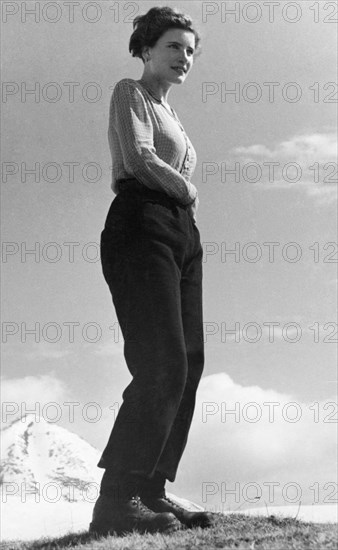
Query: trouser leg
{"type": "Point", "coordinates": [152, 263]}
{"type": "Point", "coordinates": [192, 319]}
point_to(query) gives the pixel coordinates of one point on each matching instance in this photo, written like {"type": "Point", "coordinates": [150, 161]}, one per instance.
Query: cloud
{"type": "Point", "coordinates": [307, 148]}
{"type": "Point", "coordinates": [250, 435]}
{"type": "Point", "coordinates": [111, 348]}
{"type": "Point", "coordinates": [45, 350]}
{"type": "Point", "coordinates": [36, 351]}
{"type": "Point", "coordinates": [242, 440]}
{"type": "Point", "coordinates": [314, 164]}
{"type": "Point", "coordinates": [30, 393]}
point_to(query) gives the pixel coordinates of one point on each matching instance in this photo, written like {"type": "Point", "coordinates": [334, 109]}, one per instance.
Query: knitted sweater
{"type": "Point", "coordinates": [148, 142]}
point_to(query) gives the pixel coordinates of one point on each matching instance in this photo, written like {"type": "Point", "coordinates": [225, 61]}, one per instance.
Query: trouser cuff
{"type": "Point", "coordinates": [154, 487]}
{"type": "Point", "coordinates": [120, 487]}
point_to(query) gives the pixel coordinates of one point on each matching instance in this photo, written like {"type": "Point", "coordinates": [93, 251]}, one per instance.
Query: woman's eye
{"type": "Point", "coordinates": [190, 52]}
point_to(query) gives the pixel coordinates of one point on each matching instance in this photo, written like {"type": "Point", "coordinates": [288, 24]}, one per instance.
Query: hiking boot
{"type": "Point", "coordinates": [111, 517]}
{"type": "Point", "coordinates": [153, 495]}
{"type": "Point", "coordinates": [162, 504]}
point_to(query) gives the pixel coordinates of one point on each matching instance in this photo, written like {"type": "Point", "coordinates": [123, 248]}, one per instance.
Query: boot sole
{"type": "Point", "coordinates": [118, 530]}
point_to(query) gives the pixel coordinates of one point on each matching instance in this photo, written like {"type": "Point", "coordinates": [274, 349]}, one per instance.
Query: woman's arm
{"type": "Point", "coordinates": [130, 118]}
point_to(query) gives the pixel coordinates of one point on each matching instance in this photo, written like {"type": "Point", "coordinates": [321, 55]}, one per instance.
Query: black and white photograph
{"type": "Point", "coordinates": [169, 274]}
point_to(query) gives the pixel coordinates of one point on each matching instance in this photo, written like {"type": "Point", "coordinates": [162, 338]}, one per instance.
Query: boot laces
{"type": "Point", "coordinates": [141, 506]}
{"type": "Point", "coordinates": [172, 503]}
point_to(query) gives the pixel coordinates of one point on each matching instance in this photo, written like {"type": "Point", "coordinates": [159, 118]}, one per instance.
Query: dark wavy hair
{"type": "Point", "coordinates": [148, 28]}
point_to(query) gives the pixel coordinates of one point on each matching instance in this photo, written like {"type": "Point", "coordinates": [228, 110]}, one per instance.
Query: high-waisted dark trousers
{"type": "Point", "coordinates": [151, 258]}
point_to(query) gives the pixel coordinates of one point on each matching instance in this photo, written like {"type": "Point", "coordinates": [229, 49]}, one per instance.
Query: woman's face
{"type": "Point", "coordinates": [173, 50]}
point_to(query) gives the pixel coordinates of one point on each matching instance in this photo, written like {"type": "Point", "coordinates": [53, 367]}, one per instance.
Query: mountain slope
{"type": "Point", "coordinates": [39, 455]}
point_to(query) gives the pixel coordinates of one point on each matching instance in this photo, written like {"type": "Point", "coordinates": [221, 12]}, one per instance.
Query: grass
{"type": "Point", "coordinates": [230, 532]}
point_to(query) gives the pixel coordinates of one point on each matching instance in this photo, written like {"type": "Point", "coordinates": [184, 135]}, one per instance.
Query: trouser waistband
{"type": "Point", "coordinates": [133, 185]}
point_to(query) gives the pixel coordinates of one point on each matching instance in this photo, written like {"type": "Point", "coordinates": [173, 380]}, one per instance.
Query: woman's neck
{"type": "Point", "coordinates": [158, 89]}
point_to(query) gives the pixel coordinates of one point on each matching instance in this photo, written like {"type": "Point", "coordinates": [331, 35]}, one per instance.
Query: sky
{"type": "Point", "coordinates": [268, 231]}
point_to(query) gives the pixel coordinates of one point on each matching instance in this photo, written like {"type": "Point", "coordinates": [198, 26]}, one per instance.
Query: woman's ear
{"type": "Point", "coordinates": [145, 54]}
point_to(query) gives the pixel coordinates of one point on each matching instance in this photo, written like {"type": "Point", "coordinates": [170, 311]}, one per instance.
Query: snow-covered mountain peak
{"type": "Point", "coordinates": [36, 452]}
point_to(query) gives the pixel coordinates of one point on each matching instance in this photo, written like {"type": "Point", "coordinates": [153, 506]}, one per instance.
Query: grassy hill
{"type": "Point", "coordinates": [230, 532]}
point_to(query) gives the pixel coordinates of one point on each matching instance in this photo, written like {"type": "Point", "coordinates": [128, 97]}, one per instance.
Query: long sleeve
{"type": "Point", "coordinates": [130, 122]}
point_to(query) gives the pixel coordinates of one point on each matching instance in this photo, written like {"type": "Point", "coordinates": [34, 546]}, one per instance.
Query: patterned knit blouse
{"type": "Point", "coordinates": [148, 142]}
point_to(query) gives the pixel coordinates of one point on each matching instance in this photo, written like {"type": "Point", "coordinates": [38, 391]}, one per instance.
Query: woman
{"type": "Point", "coordinates": [152, 261]}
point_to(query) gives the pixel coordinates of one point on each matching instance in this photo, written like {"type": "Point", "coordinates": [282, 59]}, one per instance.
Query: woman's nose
{"type": "Point", "coordinates": [183, 58]}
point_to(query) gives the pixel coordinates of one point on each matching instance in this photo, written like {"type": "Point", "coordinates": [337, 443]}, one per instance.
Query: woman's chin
{"type": "Point", "coordinates": [179, 79]}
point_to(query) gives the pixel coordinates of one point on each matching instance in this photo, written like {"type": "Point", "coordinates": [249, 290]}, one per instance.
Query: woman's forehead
{"type": "Point", "coordinates": [182, 36]}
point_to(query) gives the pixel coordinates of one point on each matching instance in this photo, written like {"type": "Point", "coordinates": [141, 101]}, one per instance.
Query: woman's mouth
{"type": "Point", "coordinates": [179, 70]}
